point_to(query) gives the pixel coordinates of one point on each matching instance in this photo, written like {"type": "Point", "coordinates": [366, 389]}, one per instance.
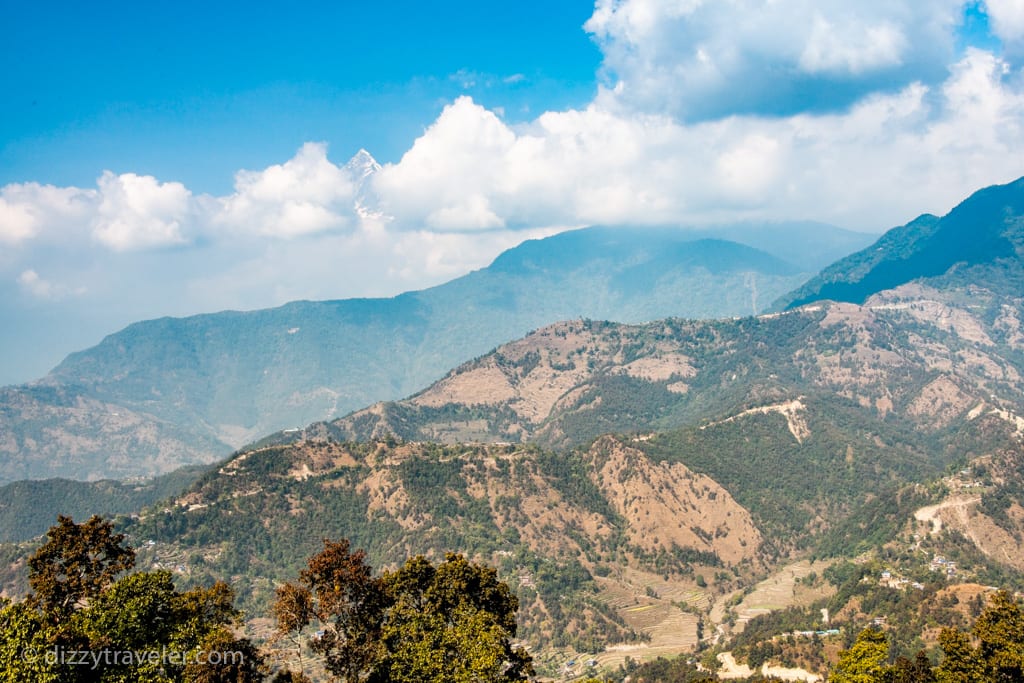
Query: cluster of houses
{"type": "Point", "coordinates": [942, 565]}
{"type": "Point", "coordinates": [820, 634]}
{"type": "Point", "coordinates": [898, 582]}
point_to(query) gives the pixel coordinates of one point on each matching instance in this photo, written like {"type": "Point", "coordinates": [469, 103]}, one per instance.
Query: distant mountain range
{"type": "Point", "coordinates": [29, 507]}
{"type": "Point", "coordinates": [176, 391]}
{"type": "Point", "coordinates": [169, 392]}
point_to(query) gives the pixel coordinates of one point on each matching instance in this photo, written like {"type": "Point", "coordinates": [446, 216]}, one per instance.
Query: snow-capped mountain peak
{"type": "Point", "coordinates": [361, 168]}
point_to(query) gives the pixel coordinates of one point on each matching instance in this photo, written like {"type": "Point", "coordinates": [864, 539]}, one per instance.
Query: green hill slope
{"type": "Point", "coordinates": [29, 508]}
{"type": "Point", "coordinates": [981, 239]}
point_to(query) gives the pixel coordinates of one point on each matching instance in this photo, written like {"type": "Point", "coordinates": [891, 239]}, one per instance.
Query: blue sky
{"type": "Point", "coordinates": [170, 159]}
{"type": "Point", "coordinates": [193, 91]}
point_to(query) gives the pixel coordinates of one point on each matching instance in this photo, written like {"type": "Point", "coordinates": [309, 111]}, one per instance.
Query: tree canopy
{"type": "Point", "coordinates": [88, 620]}
{"type": "Point", "coordinates": [999, 653]}
{"type": "Point", "coordinates": [421, 623]}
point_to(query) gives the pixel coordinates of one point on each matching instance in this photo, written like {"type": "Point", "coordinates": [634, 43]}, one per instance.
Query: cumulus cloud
{"type": "Point", "coordinates": [1007, 18]}
{"type": "Point", "coordinates": [853, 49]}
{"type": "Point", "coordinates": [28, 210]}
{"type": "Point", "coordinates": [444, 179]}
{"type": "Point", "coordinates": [697, 60]}
{"type": "Point", "coordinates": [306, 194]}
{"type": "Point", "coordinates": [878, 163]}
{"type": "Point", "coordinates": [16, 222]}
{"type": "Point", "coordinates": [124, 212]}
{"type": "Point", "coordinates": [139, 212]}
{"type": "Point", "coordinates": [128, 212]}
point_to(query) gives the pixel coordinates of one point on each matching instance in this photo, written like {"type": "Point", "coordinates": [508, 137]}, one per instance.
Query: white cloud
{"type": "Point", "coordinates": [28, 210]}
{"type": "Point", "coordinates": [16, 222]}
{"type": "Point", "coordinates": [469, 213]}
{"type": "Point", "coordinates": [128, 212]}
{"type": "Point", "coordinates": [34, 284]}
{"type": "Point", "coordinates": [139, 212]}
{"type": "Point", "coordinates": [125, 212]}
{"type": "Point", "coordinates": [442, 180]}
{"type": "Point", "coordinates": [883, 161]}
{"type": "Point", "coordinates": [306, 194]}
{"type": "Point", "coordinates": [854, 48]}
{"type": "Point", "coordinates": [702, 60]}
{"type": "Point", "coordinates": [1007, 17]}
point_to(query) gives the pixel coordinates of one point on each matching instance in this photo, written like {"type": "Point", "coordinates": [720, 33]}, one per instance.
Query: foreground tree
{"type": "Point", "coordinates": [336, 589]}
{"type": "Point", "coordinates": [454, 622]}
{"type": "Point", "coordinates": [75, 564]}
{"type": "Point", "coordinates": [82, 622]}
{"type": "Point", "coordinates": [865, 661]}
{"type": "Point", "coordinates": [960, 663]}
{"type": "Point", "coordinates": [999, 655]}
{"type": "Point", "coordinates": [995, 653]}
{"type": "Point", "coordinates": [424, 624]}
{"type": "Point", "coordinates": [23, 644]}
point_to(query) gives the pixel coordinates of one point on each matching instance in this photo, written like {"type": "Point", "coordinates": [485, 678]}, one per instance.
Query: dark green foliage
{"type": "Point", "coordinates": [766, 469]}
{"type": "Point", "coordinates": [916, 670]}
{"type": "Point", "coordinates": [570, 475]}
{"type": "Point", "coordinates": [419, 624]}
{"type": "Point", "coordinates": [625, 403]}
{"type": "Point", "coordinates": [75, 564]}
{"type": "Point", "coordinates": [27, 508]}
{"type": "Point", "coordinates": [999, 654]}
{"type": "Point", "coordinates": [874, 522]}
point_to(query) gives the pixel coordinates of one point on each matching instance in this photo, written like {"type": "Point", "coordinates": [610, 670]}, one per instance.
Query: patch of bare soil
{"type": "Point", "coordinates": [941, 400]}
{"type": "Point", "coordinates": [530, 374]}
{"type": "Point", "coordinates": [933, 514]}
{"type": "Point", "coordinates": [791, 410]}
{"type": "Point", "coordinates": [668, 505]}
{"type": "Point", "coordinates": [1008, 323]}
{"type": "Point", "coordinates": [730, 669]}
{"type": "Point", "coordinates": [955, 320]}
{"type": "Point", "coordinates": [522, 499]}
{"type": "Point", "coordinates": [664, 365]}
